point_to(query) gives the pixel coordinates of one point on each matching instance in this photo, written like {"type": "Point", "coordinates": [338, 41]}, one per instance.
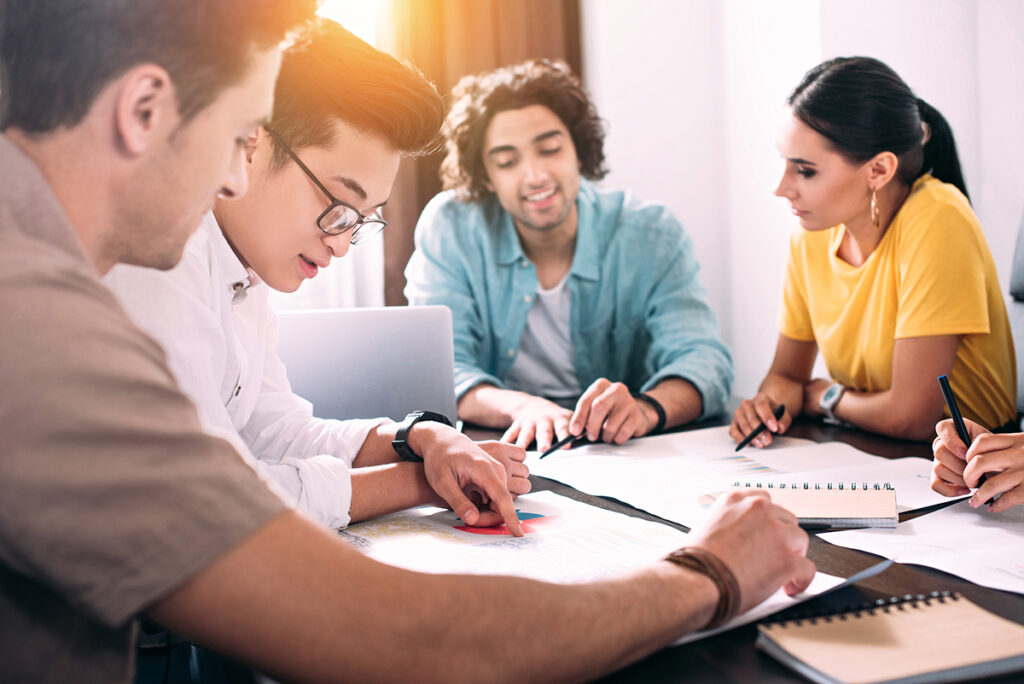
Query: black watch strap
{"type": "Point", "coordinates": [658, 409]}
{"type": "Point", "coordinates": [401, 442]}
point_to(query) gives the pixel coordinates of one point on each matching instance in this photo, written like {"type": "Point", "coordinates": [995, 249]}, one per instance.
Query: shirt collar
{"type": "Point", "coordinates": [585, 260]}
{"type": "Point", "coordinates": [508, 250]}
{"type": "Point", "coordinates": [231, 274]}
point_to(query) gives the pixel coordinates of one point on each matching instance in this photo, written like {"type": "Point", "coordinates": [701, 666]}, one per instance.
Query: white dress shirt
{"type": "Point", "coordinates": [212, 317]}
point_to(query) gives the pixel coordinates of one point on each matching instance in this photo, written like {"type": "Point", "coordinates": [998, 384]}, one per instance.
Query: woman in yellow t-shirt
{"type": "Point", "coordinates": [890, 275]}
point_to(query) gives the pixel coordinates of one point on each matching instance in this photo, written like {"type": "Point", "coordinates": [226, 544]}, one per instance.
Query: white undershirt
{"type": "Point", "coordinates": [545, 365]}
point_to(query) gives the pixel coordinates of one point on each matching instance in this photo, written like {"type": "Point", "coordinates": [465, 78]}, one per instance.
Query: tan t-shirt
{"type": "Point", "coordinates": [111, 495]}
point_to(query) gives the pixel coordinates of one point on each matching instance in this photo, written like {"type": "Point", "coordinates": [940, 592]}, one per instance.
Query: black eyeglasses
{"type": "Point", "coordinates": [339, 216]}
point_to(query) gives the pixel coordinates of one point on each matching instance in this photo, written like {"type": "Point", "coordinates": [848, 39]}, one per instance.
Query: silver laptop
{"type": "Point", "coordinates": [365, 363]}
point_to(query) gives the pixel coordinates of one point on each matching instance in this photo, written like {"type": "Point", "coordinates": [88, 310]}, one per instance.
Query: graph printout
{"type": "Point", "coordinates": [566, 542]}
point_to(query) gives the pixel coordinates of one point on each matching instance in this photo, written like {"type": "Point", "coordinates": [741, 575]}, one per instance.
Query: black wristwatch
{"type": "Point", "coordinates": [401, 442]}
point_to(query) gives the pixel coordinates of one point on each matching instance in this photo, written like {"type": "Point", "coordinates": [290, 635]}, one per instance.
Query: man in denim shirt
{"type": "Point", "coordinates": [561, 294]}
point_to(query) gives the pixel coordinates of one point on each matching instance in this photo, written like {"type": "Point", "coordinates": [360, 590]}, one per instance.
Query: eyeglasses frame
{"type": "Point", "coordinates": [357, 237]}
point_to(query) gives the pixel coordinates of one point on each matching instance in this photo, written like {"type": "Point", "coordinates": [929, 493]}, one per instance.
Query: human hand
{"type": "Point", "coordinates": [539, 419]}
{"type": "Point", "coordinates": [477, 481]}
{"type": "Point", "coordinates": [813, 392]}
{"type": "Point", "coordinates": [511, 458]}
{"type": "Point", "coordinates": [997, 458]}
{"type": "Point", "coordinates": [749, 415]}
{"type": "Point", "coordinates": [949, 456]}
{"type": "Point", "coordinates": [608, 412]}
{"type": "Point", "coordinates": [761, 544]}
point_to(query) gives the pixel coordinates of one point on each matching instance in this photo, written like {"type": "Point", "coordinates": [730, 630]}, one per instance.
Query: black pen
{"type": "Point", "coordinates": [779, 410]}
{"type": "Point", "coordinates": [559, 444]}
{"type": "Point", "coordinates": [958, 422]}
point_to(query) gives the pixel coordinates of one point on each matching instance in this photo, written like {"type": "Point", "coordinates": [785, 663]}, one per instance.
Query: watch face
{"type": "Point", "coordinates": [830, 397]}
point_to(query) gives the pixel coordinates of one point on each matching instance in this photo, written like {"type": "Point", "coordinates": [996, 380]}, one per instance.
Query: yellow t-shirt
{"type": "Point", "coordinates": [932, 274]}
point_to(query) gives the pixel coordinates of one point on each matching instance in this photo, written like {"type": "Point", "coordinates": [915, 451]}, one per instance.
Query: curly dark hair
{"type": "Point", "coordinates": [477, 98]}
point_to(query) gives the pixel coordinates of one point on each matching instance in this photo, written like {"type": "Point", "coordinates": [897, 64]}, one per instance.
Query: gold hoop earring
{"type": "Point", "coordinates": [875, 220]}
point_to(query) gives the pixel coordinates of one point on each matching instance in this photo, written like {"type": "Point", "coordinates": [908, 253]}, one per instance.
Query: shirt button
{"type": "Point", "coordinates": [527, 298]}
{"type": "Point", "coordinates": [511, 352]}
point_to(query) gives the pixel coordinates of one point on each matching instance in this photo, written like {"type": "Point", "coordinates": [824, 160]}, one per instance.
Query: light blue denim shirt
{"type": "Point", "coordinates": [639, 313]}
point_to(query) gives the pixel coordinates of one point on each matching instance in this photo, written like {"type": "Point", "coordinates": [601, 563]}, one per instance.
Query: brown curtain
{"type": "Point", "coordinates": [448, 39]}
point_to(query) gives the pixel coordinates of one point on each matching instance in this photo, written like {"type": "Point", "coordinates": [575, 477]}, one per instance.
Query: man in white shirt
{"type": "Point", "coordinates": [344, 115]}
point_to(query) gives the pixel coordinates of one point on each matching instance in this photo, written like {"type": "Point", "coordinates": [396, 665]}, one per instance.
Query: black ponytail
{"type": "Point", "coordinates": [863, 107]}
{"type": "Point", "coordinates": [940, 156]}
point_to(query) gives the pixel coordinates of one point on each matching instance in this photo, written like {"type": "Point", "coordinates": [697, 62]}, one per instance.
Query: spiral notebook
{"type": "Point", "coordinates": [834, 504]}
{"type": "Point", "coordinates": [928, 638]}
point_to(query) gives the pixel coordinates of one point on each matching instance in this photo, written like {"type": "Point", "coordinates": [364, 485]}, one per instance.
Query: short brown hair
{"type": "Point", "coordinates": [56, 56]}
{"type": "Point", "coordinates": [331, 74]}
{"type": "Point", "coordinates": [477, 98]}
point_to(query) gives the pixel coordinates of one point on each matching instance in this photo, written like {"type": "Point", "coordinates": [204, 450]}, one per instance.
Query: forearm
{"type": "Point", "coordinates": [379, 490]}
{"type": "Point", "coordinates": [913, 404]}
{"type": "Point", "coordinates": [377, 449]}
{"type": "Point", "coordinates": [538, 637]}
{"type": "Point", "coordinates": [680, 399]}
{"type": "Point", "coordinates": [492, 407]}
{"type": "Point", "coordinates": [890, 414]}
{"type": "Point", "coordinates": [784, 389]}
{"type": "Point", "coordinates": [338, 614]}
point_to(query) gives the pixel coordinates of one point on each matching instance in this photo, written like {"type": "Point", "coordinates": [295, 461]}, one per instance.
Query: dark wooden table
{"type": "Point", "coordinates": [731, 657]}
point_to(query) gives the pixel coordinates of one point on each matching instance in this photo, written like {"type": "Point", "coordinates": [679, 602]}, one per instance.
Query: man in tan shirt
{"type": "Point", "coordinates": [115, 504]}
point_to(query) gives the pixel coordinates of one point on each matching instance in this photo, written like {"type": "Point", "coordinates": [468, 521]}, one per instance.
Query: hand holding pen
{"type": "Point", "coordinates": [609, 412]}
{"type": "Point", "coordinates": [948, 475]}
{"type": "Point", "coordinates": [559, 444]}
{"type": "Point", "coordinates": [762, 426]}
{"type": "Point", "coordinates": [761, 411]}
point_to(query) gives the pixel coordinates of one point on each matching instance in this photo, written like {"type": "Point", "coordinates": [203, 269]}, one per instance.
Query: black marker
{"type": "Point", "coordinates": [779, 410]}
{"type": "Point", "coordinates": [559, 444]}
{"type": "Point", "coordinates": [958, 422]}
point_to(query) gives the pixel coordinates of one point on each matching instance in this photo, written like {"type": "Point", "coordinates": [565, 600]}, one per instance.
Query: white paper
{"type": "Point", "coordinates": [567, 542]}
{"type": "Point", "coordinates": [982, 547]}
{"type": "Point", "coordinates": [676, 476]}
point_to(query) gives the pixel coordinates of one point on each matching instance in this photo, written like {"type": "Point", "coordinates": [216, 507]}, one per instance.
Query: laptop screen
{"type": "Point", "coordinates": [371, 362]}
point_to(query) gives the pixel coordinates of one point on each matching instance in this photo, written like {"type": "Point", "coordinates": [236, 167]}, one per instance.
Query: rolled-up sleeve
{"type": "Point", "coordinates": [306, 459]}
{"type": "Point", "coordinates": [437, 273]}
{"type": "Point", "coordinates": [684, 332]}
{"type": "Point", "coordinates": [310, 458]}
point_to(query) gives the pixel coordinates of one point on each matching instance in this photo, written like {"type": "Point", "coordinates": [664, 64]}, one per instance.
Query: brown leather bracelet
{"type": "Point", "coordinates": [708, 564]}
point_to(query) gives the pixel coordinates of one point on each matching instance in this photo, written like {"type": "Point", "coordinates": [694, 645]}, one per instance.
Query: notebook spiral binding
{"type": "Point", "coordinates": [852, 486]}
{"type": "Point", "coordinates": [857, 612]}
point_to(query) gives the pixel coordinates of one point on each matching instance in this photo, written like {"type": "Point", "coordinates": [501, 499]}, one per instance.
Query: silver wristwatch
{"type": "Point", "coordinates": [829, 399]}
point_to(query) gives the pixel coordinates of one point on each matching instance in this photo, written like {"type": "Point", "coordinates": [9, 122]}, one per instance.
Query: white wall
{"type": "Point", "coordinates": [998, 187]}
{"type": "Point", "coordinates": [692, 92]}
{"type": "Point", "coordinates": [662, 100]}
